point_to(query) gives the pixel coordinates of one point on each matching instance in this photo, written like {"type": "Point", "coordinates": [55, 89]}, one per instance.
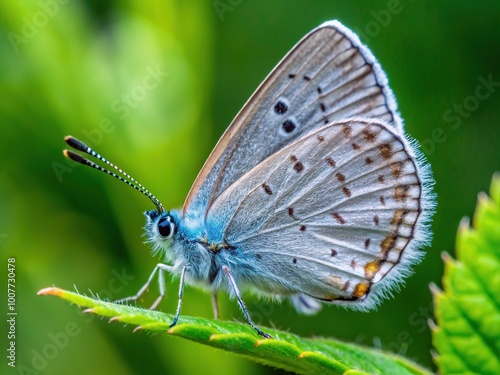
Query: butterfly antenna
{"type": "Point", "coordinates": [129, 180]}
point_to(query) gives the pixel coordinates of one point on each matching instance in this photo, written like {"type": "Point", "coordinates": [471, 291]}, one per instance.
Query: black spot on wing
{"type": "Point", "coordinates": [346, 191]}
{"type": "Point", "coordinates": [288, 126]}
{"type": "Point", "coordinates": [280, 108]}
{"type": "Point", "coordinates": [267, 189]}
{"type": "Point", "coordinates": [330, 162]}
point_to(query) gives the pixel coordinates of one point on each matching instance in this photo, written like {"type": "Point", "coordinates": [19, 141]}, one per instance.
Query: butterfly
{"type": "Point", "coordinates": [313, 193]}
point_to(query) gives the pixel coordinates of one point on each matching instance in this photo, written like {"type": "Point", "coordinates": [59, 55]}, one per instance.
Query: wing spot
{"type": "Point", "coordinates": [396, 169]}
{"type": "Point", "coordinates": [267, 189]}
{"type": "Point", "coordinates": [302, 228]}
{"type": "Point", "coordinates": [353, 263]}
{"type": "Point", "coordinates": [291, 76]}
{"type": "Point", "coordinates": [369, 136]}
{"type": "Point", "coordinates": [346, 191]}
{"type": "Point", "coordinates": [319, 90]}
{"type": "Point", "coordinates": [294, 260]}
{"type": "Point", "coordinates": [258, 256]}
{"type": "Point", "coordinates": [401, 192]}
{"type": "Point", "coordinates": [280, 108]}
{"type": "Point", "coordinates": [367, 243]}
{"type": "Point", "coordinates": [298, 166]}
{"type": "Point", "coordinates": [290, 213]}
{"type": "Point", "coordinates": [381, 179]}
{"type": "Point", "coordinates": [372, 268]}
{"type": "Point", "coordinates": [307, 78]}
{"type": "Point", "coordinates": [398, 217]}
{"type": "Point", "coordinates": [322, 106]}
{"type": "Point", "coordinates": [326, 121]}
{"type": "Point", "coordinates": [339, 218]}
{"type": "Point", "coordinates": [382, 200]}
{"type": "Point", "coordinates": [289, 126]}
{"type": "Point", "coordinates": [385, 151]}
{"type": "Point", "coordinates": [346, 129]}
{"type": "Point", "coordinates": [320, 138]}
{"type": "Point", "coordinates": [340, 177]}
{"type": "Point", "coordinates": [330, 162]}
{"type": "Point", "coordinates": [334, 280]}
{"type": "Point", "coordinates": [355, 146]}
{"type": "Point", "coordinates": [360, 290]}
{"type": "Point", "coordinates": [376, 220]}
{"type": "Point", "coordinates": [346, 286]}
{"type": "Point", "coordinates": [388, 243]}
{"type": "Point", "coordinates": [333, 252]}
{"type": "Point", "coordinates": [369, 160]}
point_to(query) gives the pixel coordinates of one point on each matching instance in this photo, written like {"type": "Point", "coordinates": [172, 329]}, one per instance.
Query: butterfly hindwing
{"type": "Point", "coordinates": [334, 211]}
{"type": "Point", "coordinates": [329, 75]}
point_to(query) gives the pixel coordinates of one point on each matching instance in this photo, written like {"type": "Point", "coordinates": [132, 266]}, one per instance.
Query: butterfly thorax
{"type": "Point", "coordinates": [188, 243]}
{"type": "Point", "coordinates": [215, 247]}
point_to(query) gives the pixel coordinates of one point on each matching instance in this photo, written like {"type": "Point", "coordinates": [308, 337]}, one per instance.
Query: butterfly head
{"type": "Point", "coordinates": [160, 226]}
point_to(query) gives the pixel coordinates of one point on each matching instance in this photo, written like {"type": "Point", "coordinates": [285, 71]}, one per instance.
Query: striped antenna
{"type": "Point", "coordinates": [129, 180]}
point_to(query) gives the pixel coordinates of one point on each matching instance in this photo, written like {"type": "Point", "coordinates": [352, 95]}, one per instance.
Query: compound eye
{"type": "Point", "coordinates": [166, 227]}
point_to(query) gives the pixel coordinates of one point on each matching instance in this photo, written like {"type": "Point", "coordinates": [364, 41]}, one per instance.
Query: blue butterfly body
{"type": "Point", "coordinates": [201, 246]}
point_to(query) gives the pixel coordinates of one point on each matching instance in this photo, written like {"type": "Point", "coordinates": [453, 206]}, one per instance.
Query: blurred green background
{"type": "Point", "coordinates": [152, 85]}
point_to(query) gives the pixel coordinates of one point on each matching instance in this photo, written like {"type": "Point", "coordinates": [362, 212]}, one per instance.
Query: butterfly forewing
{"type": "Point", "coordinates": [329, 75]}
{"type": "Point", "coordinates": [333, 211]}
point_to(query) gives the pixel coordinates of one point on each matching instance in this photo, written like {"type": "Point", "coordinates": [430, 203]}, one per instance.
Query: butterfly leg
{"type": "Point", "coordinates": [215, 304]}
{"type": "Point", "coordinates": [181, 290]}
{"type": "Point", "coordinates": [242, 304]}
{"type": "Point", "coordinates": [161, 284]}
{"type": "Point", "coordinates": [160, 268]}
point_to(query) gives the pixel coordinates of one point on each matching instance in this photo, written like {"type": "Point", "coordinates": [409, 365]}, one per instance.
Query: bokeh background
{"type": "Point", "coordinates": [152, 85]}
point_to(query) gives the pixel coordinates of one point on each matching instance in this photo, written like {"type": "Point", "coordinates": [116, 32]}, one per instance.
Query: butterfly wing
{"type": "Point", "coordinates": [329, 75]}
{"type": "Point", "coordinates": [329, 215]}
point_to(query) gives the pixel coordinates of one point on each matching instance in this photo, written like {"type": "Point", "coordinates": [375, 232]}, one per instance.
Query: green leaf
{"type": "Point", "coordinates": [467, 336]}
{"type": "Point", "coordinates": [284, 350]}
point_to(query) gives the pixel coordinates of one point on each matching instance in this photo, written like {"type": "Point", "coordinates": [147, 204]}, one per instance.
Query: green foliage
{"type": "Point", "coordinates": [468, 311]}
{"type": "Point", "coordinates": [284, 350]}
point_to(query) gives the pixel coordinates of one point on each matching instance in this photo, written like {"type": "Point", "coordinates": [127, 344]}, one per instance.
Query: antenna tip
{"type": "Point", "coordinates": [75, 157]}
{"type": "Point", "coordinates": [75, 143]}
